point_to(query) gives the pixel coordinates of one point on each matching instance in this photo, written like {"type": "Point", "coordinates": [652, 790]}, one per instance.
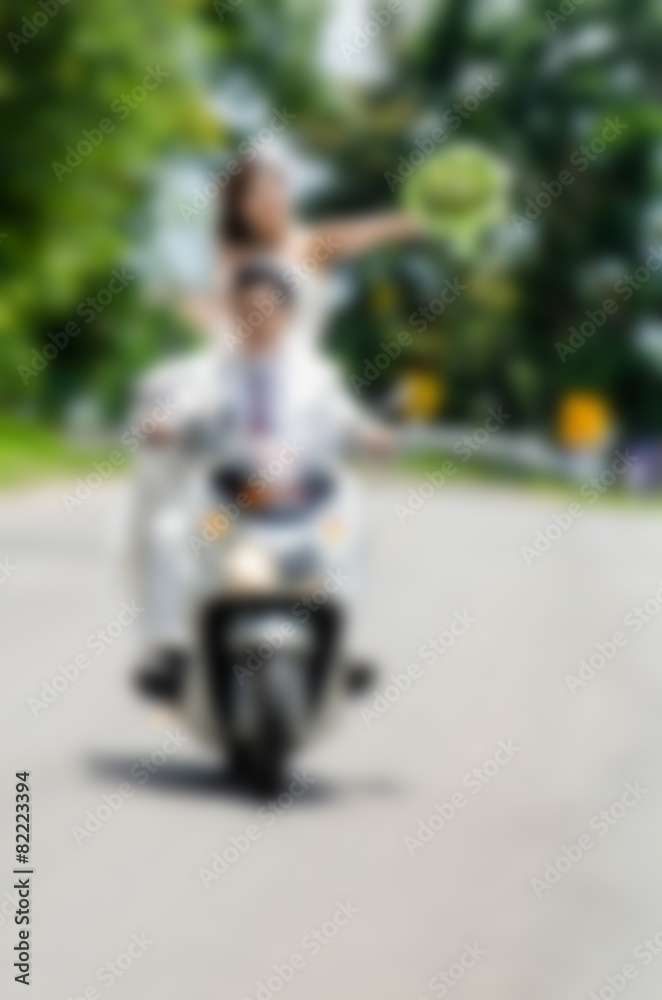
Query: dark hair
{"type": "Point", "coordinates": [231, 226]}
{"type": "Point", "coordinates": [262, 273]}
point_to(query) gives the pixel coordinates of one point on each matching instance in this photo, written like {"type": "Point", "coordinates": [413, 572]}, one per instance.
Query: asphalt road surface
{"type": "Point", "coordinates": [491, 835]}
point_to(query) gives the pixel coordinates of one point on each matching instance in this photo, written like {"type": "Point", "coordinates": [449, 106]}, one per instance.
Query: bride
{"type": "Point", "coordinates": [257, 221]}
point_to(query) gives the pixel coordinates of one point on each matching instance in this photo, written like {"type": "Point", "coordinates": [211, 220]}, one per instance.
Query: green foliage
{"type": "Point", "coordinates": [29, 451]}
{"type": "Point", "coordinates": [68, 226]}
{"type": "Point", "coordinates": [559, 79]}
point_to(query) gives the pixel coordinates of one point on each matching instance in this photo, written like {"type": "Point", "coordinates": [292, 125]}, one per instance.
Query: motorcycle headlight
{"type": "Point", "coordinates": [250, 568]}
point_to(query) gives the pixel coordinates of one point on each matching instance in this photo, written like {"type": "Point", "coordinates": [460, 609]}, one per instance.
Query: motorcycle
{"type": "Point", "coordinates": [270, 590]}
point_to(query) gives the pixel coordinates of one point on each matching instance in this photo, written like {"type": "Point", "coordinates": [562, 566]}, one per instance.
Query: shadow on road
{"type": "Point", "coordinates": [216, 781]}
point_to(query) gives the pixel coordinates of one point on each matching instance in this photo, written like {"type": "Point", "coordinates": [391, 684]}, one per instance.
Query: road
{"type": "Point", "coordinates": [483, 898]}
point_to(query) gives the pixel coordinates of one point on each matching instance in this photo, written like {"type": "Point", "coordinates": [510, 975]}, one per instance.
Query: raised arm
{"type": "Point", "coordinates": [348, 237]}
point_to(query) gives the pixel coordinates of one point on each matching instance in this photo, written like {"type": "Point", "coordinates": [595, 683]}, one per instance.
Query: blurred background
{"type": "Point", "coordinates": [527, 139]}
{"type": "Point", "coordinates": [361, 103]}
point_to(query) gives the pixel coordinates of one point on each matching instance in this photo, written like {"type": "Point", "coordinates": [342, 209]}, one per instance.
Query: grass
{"type": "Point", "coordinates": [31, 452]}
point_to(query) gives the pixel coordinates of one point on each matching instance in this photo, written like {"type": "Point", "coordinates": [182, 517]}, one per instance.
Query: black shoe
{"type": "Point", "coordinates": [359, 676]}
{"type": "Point", "coordinates": [162, 679]}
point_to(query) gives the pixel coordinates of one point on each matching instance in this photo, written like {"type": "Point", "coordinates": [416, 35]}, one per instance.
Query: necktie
{"type": "Point", "coordinates": [259, 421]}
